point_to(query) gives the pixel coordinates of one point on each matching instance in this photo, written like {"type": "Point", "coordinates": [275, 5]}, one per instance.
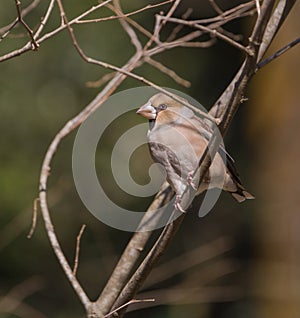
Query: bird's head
{"type": "Point", "coordinates": [164, 109]}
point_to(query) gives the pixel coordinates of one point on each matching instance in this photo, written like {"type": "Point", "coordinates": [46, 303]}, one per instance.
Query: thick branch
{"type": "Point", "coordinates": [131, 254]}
{"type": "Point", "coordinates": [148, 263]}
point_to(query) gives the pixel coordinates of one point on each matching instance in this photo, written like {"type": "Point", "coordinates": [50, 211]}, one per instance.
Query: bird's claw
{"type": "Point", "coordinates": [190, 180]}
{"type": "Point", "coordinates": [177, 205]}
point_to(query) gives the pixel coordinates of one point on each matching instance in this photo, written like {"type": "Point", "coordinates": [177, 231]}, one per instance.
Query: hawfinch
{"type": "Point", "coordinates": [177, 139]}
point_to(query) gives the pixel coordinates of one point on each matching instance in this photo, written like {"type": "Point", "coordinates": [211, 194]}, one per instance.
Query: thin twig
{"type": "Point", "coordinates": [126, 26]}
{"type": "Point", "coordinates": [35, 45]}
{"type": "Point", "coordinates": [44, 20]}
{"type": "Point", "coordinates": [104, 79]}
{"type": "Point", "coordinates": [4, 31]}
{"type": "Point", "coordinates": [230, 14]}
{"type": "Point", "coordinates": [125, 15]}
{"type": "Point", "coordinates": [216, 7]}
{"type": "Point", "coordinates": [11, 27]}
{"type": "Point", "coordinates": [73, 21]}
{"type": "Point", "coordinates": [78, 239]}
{"type": "Point", "coordinates": [34, 218]}
{"type": "Point", "coordinates": [183, 41]}
{"type": "Point", "coordinates": [212, 32]}
{"type": "Point", "coordinates": [28, 47]}
{"type": "Point", "coordinates": [138, 27]}
{"type": "Point", "coordinates": [169, 72]}
{"type": "Point", "coordinates": [131, 302]}
{"type": "Point", "coordinates": [235, 37]}
{"type": "Point", "coordinates": [280, 13]}
{"type": "Point", "coordinates": [277, 54]}
{"type": "Point", "coordinates": [169, 14]}
{"type": "Point", "coordinates": [179, 27]}
{"type": "Point", "coordinates": [158, 26]}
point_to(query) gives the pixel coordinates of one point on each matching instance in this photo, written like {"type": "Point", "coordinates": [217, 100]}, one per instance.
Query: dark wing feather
{"type": "Point", "coordinates": [241, 193]}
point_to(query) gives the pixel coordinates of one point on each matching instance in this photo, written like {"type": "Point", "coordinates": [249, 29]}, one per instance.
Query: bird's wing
{"type": "Point", "coordinates": [230, 164]}
{"type": "Point", "coordinates": [206, 131]}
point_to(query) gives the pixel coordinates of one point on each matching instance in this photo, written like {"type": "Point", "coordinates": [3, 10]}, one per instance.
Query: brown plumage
{"type": "Point", "coordinates": [177, 139]}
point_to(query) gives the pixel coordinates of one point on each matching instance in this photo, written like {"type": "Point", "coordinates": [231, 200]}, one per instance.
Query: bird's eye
{"type": "Point", "coordinates": [162, 107]}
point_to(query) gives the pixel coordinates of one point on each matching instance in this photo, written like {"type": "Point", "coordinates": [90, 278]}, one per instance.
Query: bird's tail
{"type": "Point", "coordinates": [241, 194]}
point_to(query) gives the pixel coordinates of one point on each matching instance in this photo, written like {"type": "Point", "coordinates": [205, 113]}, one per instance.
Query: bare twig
{"type": "Point", "coordinates": [184, 41]}
{"type": "Point", "coordinates": [34, 218]}
{"type": "Point", "coordinates": [283, 7]}
{"type": "Point", "coordinates": [212, 32]}
{"type": "Point", "coordinates": [77, 250]}
{"type": "Point", "coordinates": [104, 79]}
{"type": "Point", "coordinates": [228, 15]}
{"type": "Point", "coordinates": [126, 26]}
{"type": "Point", "coordinates": [169, 72]}
{"type": "Point", "coordinates": [179, 27]}
{"type": "Point", "coordinates": [138, 27]}
{"type": "Point", "coordinates": [216, 7]}
{"type": "Point", "coordinates": [169, 14]}
{"type": "Point", "coordinates": [8, 30]}
{"type": "Point", "coordinates": [277, 54]}
{"type": "Point", "coordinates": [4, 31]}
{"type": "Point", "coordinates": [28, 46]}
{"type": "Point", "coordinates": [44, 20]}
{"type": "Point", "coordinates": [131, 302]}
{"type": "Point", "coordinates": [146, 8]}
{"type": "Point", "coordinates": [56, 246]}
{"type": "Point", "coordinates": [158, 26]}
{"type": "Point", "coordinates": [35, 45]}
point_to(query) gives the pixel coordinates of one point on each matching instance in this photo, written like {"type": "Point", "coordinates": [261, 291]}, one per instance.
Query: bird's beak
{"type": "Point", "coordinates": [147, 111]}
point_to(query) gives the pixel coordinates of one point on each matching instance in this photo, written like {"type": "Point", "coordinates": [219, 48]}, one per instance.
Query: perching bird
{"type": "Point", "coordinates": [177, 139]}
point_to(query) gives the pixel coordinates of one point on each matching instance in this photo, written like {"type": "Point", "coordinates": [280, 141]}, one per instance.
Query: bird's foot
{"type": "Point", "coordinates": [190, 180]}
{"type": "Point", "coordinates": [177, 205]}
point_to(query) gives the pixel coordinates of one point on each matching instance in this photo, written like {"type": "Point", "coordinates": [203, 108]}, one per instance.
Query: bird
{"type": "Point", "coordinates": [177, 138]}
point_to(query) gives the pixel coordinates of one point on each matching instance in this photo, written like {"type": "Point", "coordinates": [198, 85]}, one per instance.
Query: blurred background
{"type": "Point", "coordinates": [241, 260]}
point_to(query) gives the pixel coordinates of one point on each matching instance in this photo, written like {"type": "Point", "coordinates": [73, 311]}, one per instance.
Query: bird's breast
{"type": "Point", "coordinates": [176, 144]}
